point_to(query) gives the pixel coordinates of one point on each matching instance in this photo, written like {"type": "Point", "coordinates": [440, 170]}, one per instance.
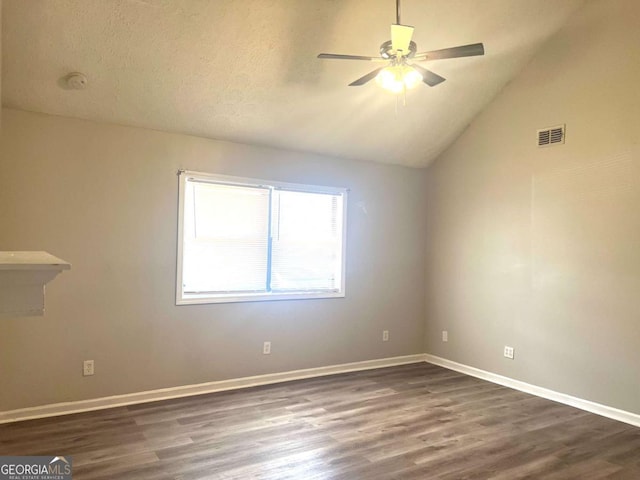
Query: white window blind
{"type": "Point", "coordinates": [226, 241]}
{"type": "Point", "coordinates": [307, 234]}
{"type": "Point", "coordinates": [246, 239]}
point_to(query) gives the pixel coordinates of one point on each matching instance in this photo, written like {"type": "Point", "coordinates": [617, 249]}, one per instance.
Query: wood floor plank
{"type": "Point", "coordinates": [414, 421]}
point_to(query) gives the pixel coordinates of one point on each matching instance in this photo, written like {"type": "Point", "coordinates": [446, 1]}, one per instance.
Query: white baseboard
{"type": "Point", "coordinates": [597, 408]}
{"type": "Point", "coordinates": [66, 408]}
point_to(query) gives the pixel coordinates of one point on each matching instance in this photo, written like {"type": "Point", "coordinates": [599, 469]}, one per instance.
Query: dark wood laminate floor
{"type": "Point", "coordinates": [410, 422]}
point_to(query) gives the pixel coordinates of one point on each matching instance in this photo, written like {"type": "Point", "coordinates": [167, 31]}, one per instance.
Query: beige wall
{"type": "Point", "coordinates": [0, 62]}
{"type": "Point", "coordinates": [540, 248]}
{"type": "Point", "coordinates": [104, 198]}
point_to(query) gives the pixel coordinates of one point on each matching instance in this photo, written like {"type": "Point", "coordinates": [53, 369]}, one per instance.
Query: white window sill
{"type": "Point", "coordinates": [198, 299]}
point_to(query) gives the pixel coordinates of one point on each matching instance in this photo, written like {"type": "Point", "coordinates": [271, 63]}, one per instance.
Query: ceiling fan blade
{"type": "Point", "coordinates": [337, 56]}
{"type": "Point", "coordinates": [453, 52]}
{"type": "Point", "coordinates": [430, 78]}
{"type": "Point", "coordinates": [401, 38]}
{"type": "Point", "coordinates": [368, 77]}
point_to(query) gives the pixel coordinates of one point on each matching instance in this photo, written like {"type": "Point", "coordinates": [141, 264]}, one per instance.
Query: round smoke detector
{"type": "Point", "coordinates": [76, 81]}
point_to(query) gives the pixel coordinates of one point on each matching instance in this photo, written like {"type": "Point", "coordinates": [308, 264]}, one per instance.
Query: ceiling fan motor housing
{"type": "Point", "coordinates": [387, 51]}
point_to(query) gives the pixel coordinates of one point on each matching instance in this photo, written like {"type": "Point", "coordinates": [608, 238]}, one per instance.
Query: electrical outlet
{"type": "Point", "coordinates": [508, 352]}
{"type": "Point", "coordinates": [385, 335]}
{"type": "Point", "coordinates": [87, 368]}
{"type": "Point", "coordinates": [445, 336]}
{"type": "Point", "coordinates": [266, 348]}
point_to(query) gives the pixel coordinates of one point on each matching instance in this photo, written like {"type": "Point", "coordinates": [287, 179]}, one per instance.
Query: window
{"type": "Point", "coordinates": [244, 239]}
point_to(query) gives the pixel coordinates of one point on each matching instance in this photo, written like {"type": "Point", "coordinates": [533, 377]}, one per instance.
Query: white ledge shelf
{"type": "Point", "coordinates": [23, 276]}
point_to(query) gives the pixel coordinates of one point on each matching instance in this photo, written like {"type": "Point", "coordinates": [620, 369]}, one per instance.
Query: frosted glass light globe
{"type": "Point", "coordinates": [398, 77]}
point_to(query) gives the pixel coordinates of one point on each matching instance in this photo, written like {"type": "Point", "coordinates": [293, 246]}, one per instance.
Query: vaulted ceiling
{"type": "Point", "coordinates": [246, 70]}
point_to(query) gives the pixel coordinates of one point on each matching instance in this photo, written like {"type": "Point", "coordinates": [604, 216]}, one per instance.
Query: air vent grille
{"type": "Point", "coordinates": [551, 136]}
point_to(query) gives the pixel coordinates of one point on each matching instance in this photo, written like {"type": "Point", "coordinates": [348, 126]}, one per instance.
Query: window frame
{"type": "Point", "coordinates": [208, 298]}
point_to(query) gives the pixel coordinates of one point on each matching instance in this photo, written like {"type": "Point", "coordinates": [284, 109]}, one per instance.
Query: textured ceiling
{"type": "Point", "coordinates": [246, 70]}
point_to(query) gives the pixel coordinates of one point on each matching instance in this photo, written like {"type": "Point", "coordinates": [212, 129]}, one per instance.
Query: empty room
{"type": "Point", "coordinates": [320, 239]}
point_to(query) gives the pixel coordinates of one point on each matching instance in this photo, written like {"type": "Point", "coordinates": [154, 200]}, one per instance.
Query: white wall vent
{"type": "Point", "coordinates": [551, 136]}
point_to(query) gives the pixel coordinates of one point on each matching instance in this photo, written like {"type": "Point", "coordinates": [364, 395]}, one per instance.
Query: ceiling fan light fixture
{"type": "Point", "coordinates": [397, 78]}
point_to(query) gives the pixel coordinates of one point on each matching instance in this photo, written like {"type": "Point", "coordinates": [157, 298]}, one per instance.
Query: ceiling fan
{"type": "Point", "coordinates": [399, 53]}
